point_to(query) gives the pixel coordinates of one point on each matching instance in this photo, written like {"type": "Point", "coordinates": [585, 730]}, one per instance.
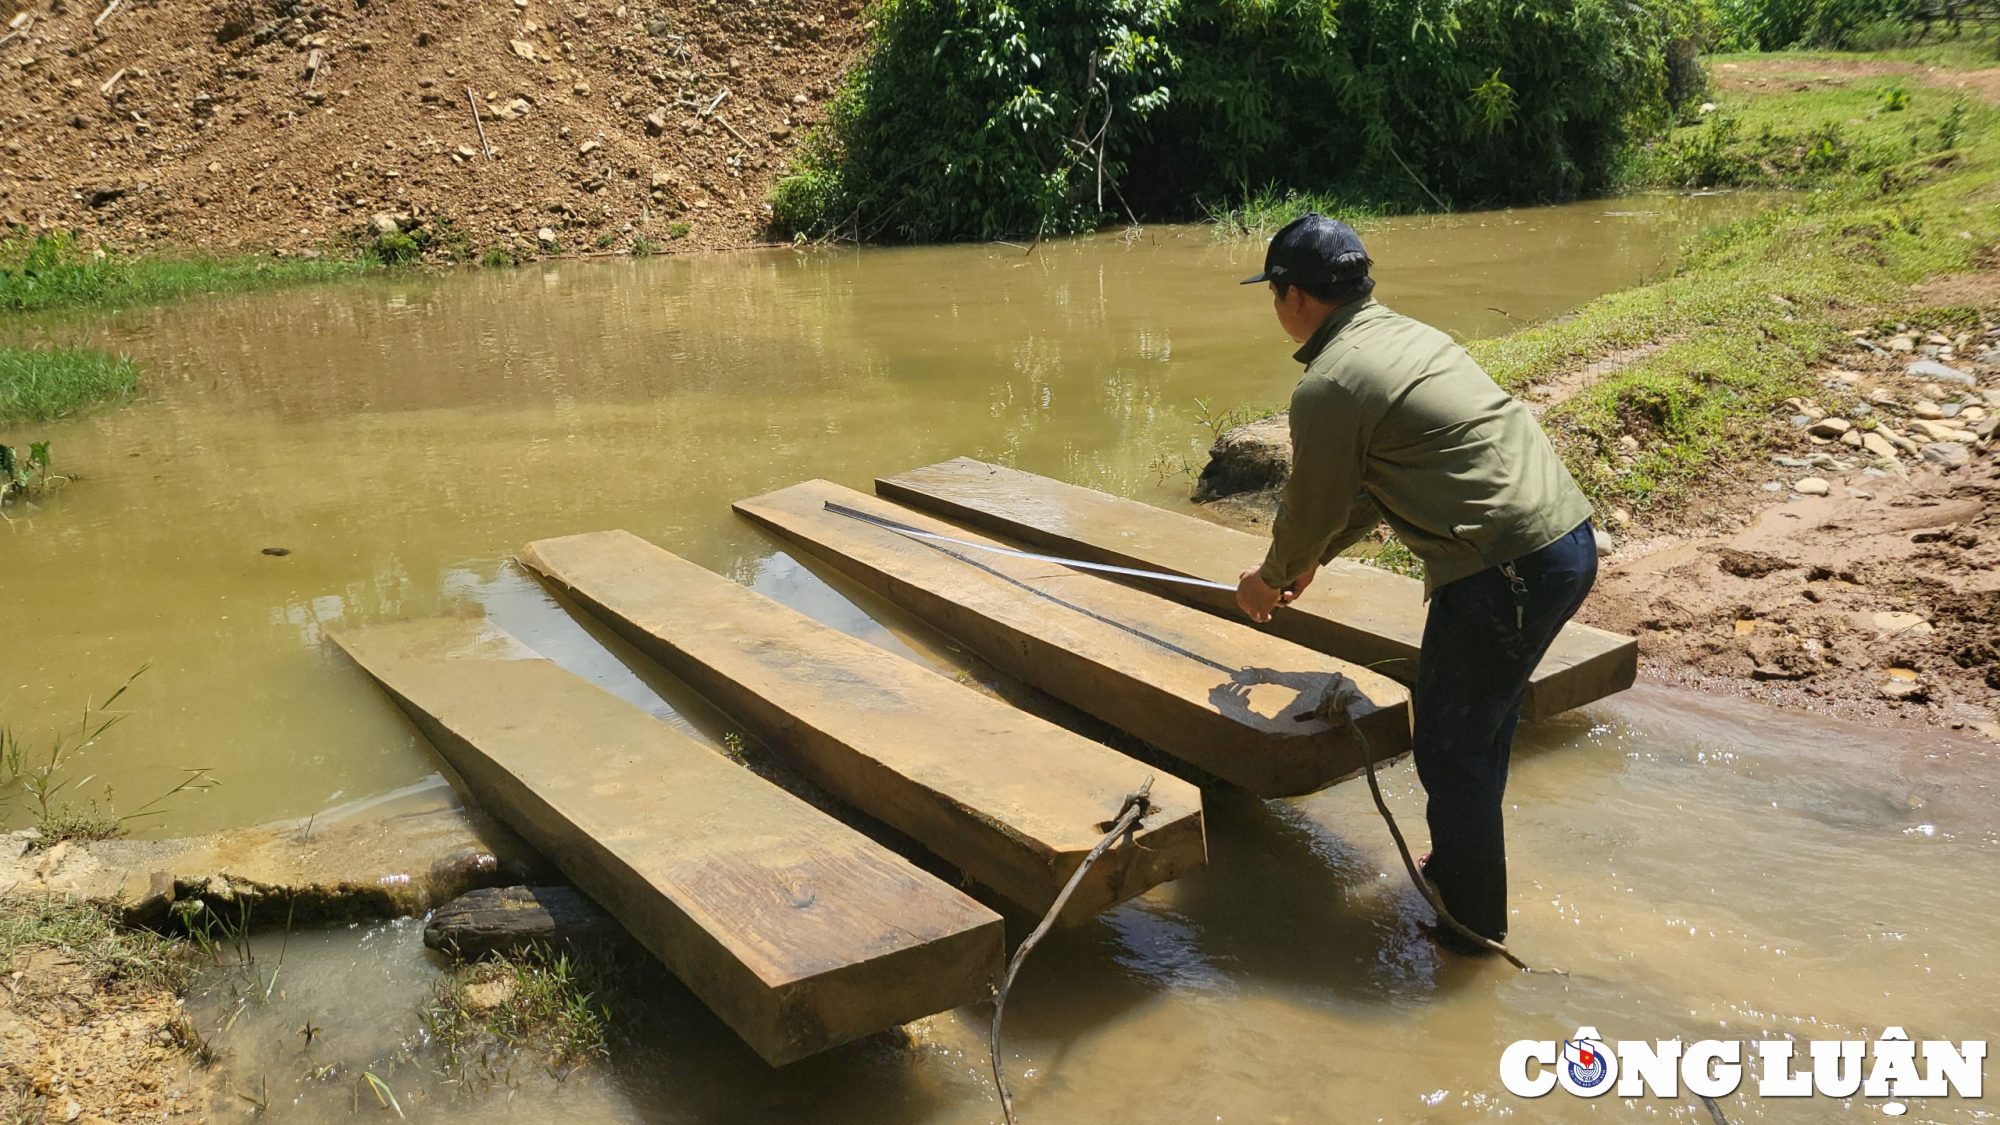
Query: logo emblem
{"type": "Point", "coordinates": [1587, 1065]}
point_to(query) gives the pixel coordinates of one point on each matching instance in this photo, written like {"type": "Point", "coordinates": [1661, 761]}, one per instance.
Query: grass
{"type": "Point", "coordinates": [90, 934]}
{"type": "Point", "coordinates": [48, 779]}
{"type": "Point", "coordinates": [1263, 211]}
{"type": "Point", "coordinates": [46, 384]}
{"type": "Point", "coordinates": [542, 1000]}
{"type": "Point", "coordinates": [1895, 182]}
{"type": "Point", "coordinates": [48, 272]}
{"type": "Point", "coordinates": [1891, 198]}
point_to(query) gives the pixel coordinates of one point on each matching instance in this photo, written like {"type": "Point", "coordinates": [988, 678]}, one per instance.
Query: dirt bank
{"type": "Point", "coordinates": [91, 1026]}
{"type": "Point", "coordinates": [291, 125]}
{"type": "Point", "coordinates": [1855, 572]}
{"type": "Point", "coordinates": [1803, 72]}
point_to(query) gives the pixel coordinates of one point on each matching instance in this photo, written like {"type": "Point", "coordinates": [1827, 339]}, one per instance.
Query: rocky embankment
{"type": "Point", "coordinates": [1856, 571]}
{"type": "Point", "coordinates": [291, 124]}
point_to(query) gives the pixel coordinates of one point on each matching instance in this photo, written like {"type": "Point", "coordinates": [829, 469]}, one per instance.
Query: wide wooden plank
{"type": "Point", "coordinates": [1240, 705]}
{"type": "Point", "coordinates": [798, 931]}
{"type": "Point", "coordinates": [1352, 611]}
{"type": "Point", "coordinates": [1011, 799]}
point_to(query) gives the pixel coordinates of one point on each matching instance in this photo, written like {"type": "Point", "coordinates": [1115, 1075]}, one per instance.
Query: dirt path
{"type": "Point", "coordinates": [1859, 573]}
{"type": "Point", "coordinates": [289, 125]}
{"type": "Point", "coordinates": [1803, 73]}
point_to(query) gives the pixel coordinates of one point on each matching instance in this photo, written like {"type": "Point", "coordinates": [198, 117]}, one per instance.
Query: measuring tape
{"type": "Point", "coordinates": [1079, 564]}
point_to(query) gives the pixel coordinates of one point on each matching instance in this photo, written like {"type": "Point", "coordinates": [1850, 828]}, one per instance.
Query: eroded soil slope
{"type": "Point", "coordinates": [291, 125]}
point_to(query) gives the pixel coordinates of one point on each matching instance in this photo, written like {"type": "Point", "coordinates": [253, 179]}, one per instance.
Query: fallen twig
{"type": "Point", "coordinates": [106, 13]}
{"type": "Point", "coordinates": [111, 83]}
{"type": "Point", "coordinates": [731, 128]}
{"type": "Point", "coordinates": [1419, 182]}
{"type": "Point", "coordinates": [19, 26]}
{"type": "Point", "coordinates": [710, 108]}
{"type": "Point", "coordinates": [473, 100]}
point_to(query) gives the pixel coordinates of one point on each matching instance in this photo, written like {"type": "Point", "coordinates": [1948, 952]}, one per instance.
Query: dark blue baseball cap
{"type": "Point", "coordinates": [1313, 250]}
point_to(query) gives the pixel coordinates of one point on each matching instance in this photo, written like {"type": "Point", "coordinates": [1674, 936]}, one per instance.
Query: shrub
{"type": "Point", "coordinates": [983, 118]}
{"type": "Point", "coordinates": [395, 247]}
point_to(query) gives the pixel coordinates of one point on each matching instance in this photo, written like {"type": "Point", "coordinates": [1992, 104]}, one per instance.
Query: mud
{"type": "Point", "coordinates": [74, 1049]}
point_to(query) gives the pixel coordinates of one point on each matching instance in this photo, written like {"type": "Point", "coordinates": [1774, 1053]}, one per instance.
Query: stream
{"type": "Point", "coordinates": [1704, 868]}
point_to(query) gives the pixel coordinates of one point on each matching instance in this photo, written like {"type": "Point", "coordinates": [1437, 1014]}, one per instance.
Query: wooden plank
{"type": "Point", "coordinates": [1221, 696]}
{"type": "Point", "coordinates": [1011, 799]}
{"type": "Point", "coordinates": [1353, 611]}
{"type": "Point", "coordinates": [798, 931]}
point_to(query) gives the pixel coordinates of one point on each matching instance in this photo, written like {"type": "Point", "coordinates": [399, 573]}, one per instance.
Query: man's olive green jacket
{"type": "Point", "coordinates": [1393, 421]}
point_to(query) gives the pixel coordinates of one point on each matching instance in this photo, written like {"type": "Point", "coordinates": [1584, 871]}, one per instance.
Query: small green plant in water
{"type": "Point", "coordinates": [46, 384]}
{"type": "Point", "coordinates": [495, 258]}
{"type": "Point", "coordinates": [641, 248]}
{"type": "Point", "coordinates": [50, 271]}
{"type": "Point", "coordinates": [540, 1000]}
{"type": "Point", "coordinates": [47, 779]}
{"type": "Point", "coordinates": [24, 477]}
{"type": "Point", "coordinates": [1219, 424]}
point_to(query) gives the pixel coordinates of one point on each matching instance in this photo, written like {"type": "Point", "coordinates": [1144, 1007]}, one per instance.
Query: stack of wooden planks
{"type": "Point", "coordinates": [802, 932]}
{"type": "Point", "coordinates": [1353, 611]}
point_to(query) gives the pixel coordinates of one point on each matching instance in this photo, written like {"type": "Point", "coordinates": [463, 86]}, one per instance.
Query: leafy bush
{"type": "Point", "coordinates": [395, 247]}
{"type": "Point", "coordinates": [983, 118]}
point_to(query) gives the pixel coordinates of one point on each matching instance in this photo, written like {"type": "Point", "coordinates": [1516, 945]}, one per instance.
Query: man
{"type": "Point", "coordinates": [1394, 422]}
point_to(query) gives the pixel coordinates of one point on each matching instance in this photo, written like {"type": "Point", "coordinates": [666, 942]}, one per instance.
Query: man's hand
{"type": "Point", "coordinates": [1258, 600]}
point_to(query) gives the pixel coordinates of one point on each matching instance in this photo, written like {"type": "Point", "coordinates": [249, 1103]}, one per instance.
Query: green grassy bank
{"type": "Point", "coordinates": [49, 273]}
{"type": "Point", "coordinates": [45, 384]}
{"type": "Point", "coordinates": [1900, 179]}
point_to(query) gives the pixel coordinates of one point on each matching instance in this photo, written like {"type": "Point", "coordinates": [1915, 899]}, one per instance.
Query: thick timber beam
{"type": "Point", "coordinates": [1251, 709]}
{"type": "Point", "coordinates": [1011, 799]}
{"type": "Point", "coordinates": [798, 931]}
{"type": "Point", "coordinates": [1352, 611]}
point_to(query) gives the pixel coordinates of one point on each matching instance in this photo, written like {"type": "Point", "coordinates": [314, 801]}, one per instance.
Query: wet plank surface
{"type": "Point", "coordinates": [798, 931]}
{"type": "Point", "coordinates": [1011, 799]}
{"type": "Point", "coordinates": [1220, 696]}
{"type": "Point", "coordinates": [1353, 611]}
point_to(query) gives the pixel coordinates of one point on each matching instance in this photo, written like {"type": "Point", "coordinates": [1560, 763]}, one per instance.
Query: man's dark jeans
{"type": "Point", "coordinates": [1477, 657]}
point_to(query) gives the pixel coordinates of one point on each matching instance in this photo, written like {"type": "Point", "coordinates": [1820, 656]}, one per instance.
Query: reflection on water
{"type": "Point", "coordinates": [403, 436]}
{"type": "Point", "coordinates": [1702, 871]}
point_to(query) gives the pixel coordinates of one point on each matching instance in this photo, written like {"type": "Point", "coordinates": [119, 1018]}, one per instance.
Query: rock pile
{"type": "Point", "coordinates": [1922, 399]}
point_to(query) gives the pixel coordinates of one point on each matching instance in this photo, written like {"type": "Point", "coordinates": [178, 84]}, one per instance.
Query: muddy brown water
{"type": "Point", "coordinates": [1705, 868]}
